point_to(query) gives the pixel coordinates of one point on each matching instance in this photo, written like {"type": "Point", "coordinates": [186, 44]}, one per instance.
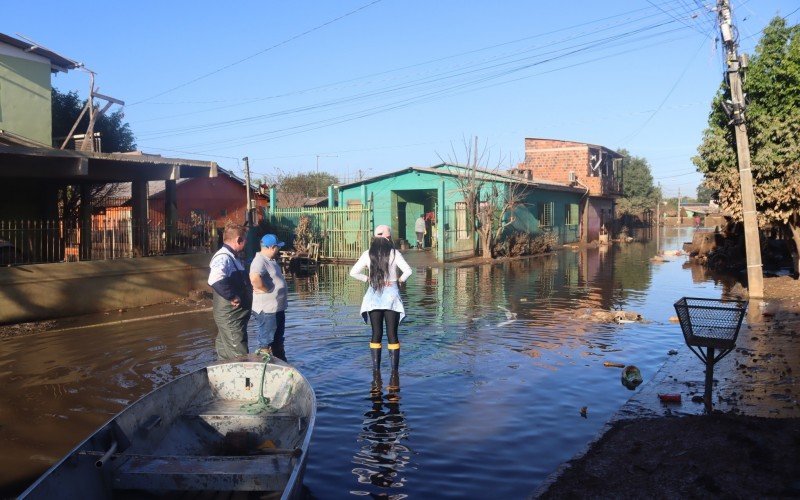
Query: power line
{"type": "Point", "coordinates": [279, 44]}
{"type": "Point", "coordinates": [297, 129]}
{"type": "Point", "coordinates": [669, 93]}
{"type": "Point", "coordinates": [528, 62]}
{"type": "Point", "coordinates": [329, 86]}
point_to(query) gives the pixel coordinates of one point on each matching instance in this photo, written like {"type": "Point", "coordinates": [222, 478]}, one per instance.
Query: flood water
{"type": "Point", "coordinates": [489, 403]}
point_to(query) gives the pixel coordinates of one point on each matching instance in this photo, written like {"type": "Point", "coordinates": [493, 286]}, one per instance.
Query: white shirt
{"type": "Point", "coordinates": [395, 260]}
{"type": "Point", "coordinates": [419, 225]}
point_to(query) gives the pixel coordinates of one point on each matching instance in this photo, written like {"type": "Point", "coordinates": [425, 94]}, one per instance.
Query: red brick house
{"type": "Point", "coordinates": [220, 198]}
{"type": "Point", "coordinates": [595, 168]}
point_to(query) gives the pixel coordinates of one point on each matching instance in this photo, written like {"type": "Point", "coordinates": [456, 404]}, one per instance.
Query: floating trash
{"type": "Point", "coordinates": [631, 377]}
{"type": "Point", "coordinates": [611, 364]}
{"type": "Point", "coordinates": [670, 398]}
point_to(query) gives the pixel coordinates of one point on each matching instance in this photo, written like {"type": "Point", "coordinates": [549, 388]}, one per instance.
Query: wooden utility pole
{"type": "Point", "coordinates": [248, 218]}
{"type": "Point", "coordinates": [736, 108]}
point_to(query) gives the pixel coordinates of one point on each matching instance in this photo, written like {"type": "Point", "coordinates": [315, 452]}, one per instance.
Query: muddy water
{"type": "Point", "coordinates": [495, 369]}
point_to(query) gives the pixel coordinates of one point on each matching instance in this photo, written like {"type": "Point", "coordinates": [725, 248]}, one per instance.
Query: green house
{"type": "Point", "coordinates": [25, 91]}
{"type": "Point", "coordinates": [399, 198]}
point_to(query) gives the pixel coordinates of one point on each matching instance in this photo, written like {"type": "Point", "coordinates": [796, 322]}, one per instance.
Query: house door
{"type": "Point", "coordinates": [401, 220]}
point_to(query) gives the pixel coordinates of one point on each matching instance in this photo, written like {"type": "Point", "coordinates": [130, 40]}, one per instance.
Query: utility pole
{"type": "Point", "coordinates": [248, 218]}
{"type": "Point", "coordinates": [736, 108]}
{"type": "Point", "coordinates": [316, 181]}
{"type": "Point", "coordinates": [658, 222]}
{"type": "Point", "coordinates": [680, 219]}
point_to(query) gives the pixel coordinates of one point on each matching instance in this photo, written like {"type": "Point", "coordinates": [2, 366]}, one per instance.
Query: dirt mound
{"type": "Point", "coordinates": [716, 456]}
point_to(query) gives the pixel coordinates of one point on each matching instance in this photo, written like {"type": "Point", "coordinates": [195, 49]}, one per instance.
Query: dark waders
{"type": "Point", "coordinates": [232, 325]}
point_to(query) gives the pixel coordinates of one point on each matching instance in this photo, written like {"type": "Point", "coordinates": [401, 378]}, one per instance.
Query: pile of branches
{"type": "Point", "coordinates": [303, 234]}
{"type": "Point", "coordinates": [517, 244]}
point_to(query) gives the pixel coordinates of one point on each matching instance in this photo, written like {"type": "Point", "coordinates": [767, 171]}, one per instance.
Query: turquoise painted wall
{"type": "Point", "coordinates": [528, 218]}
{"type": "Point", "coordinates": [418, 190]}
{"type": "Point", "coordinates": [25, 98]}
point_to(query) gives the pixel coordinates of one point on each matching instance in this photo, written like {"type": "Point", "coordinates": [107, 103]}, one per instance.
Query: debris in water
{"type": "Point", "coordinates": [631, 377]}
{"type": "Point", "coordinates": [584, 411]}
{"type": "Point", "coordinates": [670, 398]}
{"type": "Point", "coordinates": [611, 364]}
{"type": "Point", "coordinates": [672, 352]}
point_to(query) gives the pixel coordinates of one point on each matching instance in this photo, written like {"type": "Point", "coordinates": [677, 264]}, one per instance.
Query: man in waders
{"type": "Point", "coordinates": [233, 296]}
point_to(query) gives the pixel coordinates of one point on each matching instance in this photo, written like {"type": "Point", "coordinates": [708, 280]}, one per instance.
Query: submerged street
{"type": "Point", "coordinates": [495, 368]}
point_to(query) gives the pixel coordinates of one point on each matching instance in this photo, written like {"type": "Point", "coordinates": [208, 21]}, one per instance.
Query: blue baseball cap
{"type": "Point", "coordinates": [270, 240]}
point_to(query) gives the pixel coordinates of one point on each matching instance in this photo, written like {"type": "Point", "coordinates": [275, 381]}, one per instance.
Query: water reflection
{"type": "Point", "coordinates": [383, 455]}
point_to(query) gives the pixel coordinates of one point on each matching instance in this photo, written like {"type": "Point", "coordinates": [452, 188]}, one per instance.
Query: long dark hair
{"type": "Point", "coordinates": [380, 253]}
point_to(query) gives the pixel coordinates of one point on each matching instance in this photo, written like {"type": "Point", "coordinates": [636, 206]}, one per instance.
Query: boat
{"type": "Point", "coordinates": [235, 426]}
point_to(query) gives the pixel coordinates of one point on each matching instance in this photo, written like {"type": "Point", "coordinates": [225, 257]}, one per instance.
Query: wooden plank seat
{"type": "Point", "coordinates": [231, 408]}
{"type": "Point", "coordinates": [206, 473]}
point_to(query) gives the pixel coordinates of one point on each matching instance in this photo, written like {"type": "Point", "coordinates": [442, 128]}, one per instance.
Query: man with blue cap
{"type": "Point", "coordinates": [269, 297]}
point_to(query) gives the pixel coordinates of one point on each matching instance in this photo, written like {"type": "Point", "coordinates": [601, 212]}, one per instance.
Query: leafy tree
{"type": "Point", "coordinates": [295, 189]}
{"type": "Point", "coordinates": [704, 193]}
{"type": "Point", "coordinates": [638, 191]}
{"type": "Point", "coordinates": [772, 87]}
{"type": "Point", "coordinates": [116, 136]}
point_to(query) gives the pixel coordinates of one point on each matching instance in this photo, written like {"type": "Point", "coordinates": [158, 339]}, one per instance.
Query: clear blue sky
{"type": "Point", "coordinates": [381, 85]}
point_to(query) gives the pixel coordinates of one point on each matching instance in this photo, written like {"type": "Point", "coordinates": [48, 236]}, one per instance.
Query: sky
{"type": "Point", "coordinates": [363, 87]}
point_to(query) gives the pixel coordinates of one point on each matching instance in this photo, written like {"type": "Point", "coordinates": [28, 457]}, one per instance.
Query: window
{"type": "Point", "coordinates": [546, 215]}
{"type": "Point", "coordinates": [353, 209]}
{"type": "Point", "coordinates": [461, 221]}
{"type": "Point", "coordinates": [571, 211]}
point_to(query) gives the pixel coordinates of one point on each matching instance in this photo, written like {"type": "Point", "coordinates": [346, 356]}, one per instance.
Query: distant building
{"type": "Point", "coordinates": [398, 198]}
{"type": "Point", "coordinates": [596, 169]}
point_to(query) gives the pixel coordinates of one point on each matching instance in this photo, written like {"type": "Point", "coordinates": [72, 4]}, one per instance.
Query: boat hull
{"type": "Point", "coordinates": [212, 430]}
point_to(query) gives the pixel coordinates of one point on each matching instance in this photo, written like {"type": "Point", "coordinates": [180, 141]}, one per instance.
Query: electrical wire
{"type": "Point", "coordinates": [528, 62]}
{"type": "Point", "coordinates": [272, 47]}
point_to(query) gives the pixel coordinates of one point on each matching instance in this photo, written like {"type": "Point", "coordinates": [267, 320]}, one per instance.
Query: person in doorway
{"type": "Point", "coordinates": [419, 228]}
{"type": "Point", "coordinates": [232, 294]}
{"type": "Point", "coordinates": [697, 221]}
{"type": "Point", "coordinates": [382, 303]}
{"type": "Point", "coordinates": [269, 298]}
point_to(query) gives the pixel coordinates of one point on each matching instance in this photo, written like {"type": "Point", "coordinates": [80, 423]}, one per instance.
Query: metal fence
{"type": "Point", "coordinates": [343, 233]}
{"type": "Point", "coordinates": [44, 241]}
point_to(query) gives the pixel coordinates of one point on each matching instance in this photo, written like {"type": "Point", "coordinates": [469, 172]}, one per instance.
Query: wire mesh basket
{"type": "Point", "coordinates": [710, 322]}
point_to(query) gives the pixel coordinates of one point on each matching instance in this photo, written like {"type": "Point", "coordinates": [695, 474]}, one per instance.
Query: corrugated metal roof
{"type": "Point", "coordinates": [57, 62]}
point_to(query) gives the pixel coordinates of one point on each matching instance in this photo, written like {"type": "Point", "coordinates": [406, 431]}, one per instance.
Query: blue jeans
{"type": "Point", "coordinates": [269, 329]}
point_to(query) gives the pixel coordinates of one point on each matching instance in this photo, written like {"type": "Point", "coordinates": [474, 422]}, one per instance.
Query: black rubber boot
{"type": "Point", "coordinates": [377, 383]}
{"type": "Point", "coordinates": [394, 378]}
{"type": "Point", "coordinates": [376, 359]}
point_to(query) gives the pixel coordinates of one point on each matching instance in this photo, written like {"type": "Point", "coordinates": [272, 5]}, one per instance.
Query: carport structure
{"type": "Point", "coordinates": [32, 176]}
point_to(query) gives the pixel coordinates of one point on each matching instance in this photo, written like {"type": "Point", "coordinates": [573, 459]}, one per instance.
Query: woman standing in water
{"type": "Point", "coordinates": [382, 303]}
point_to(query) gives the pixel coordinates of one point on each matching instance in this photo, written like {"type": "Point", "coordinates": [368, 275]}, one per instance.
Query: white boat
{"type": "Point", "coordinates": [217, 429]}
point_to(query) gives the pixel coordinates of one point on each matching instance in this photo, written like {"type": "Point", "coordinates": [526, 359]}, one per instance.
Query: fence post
{"type": "Point", "coordinates": [440, 221]}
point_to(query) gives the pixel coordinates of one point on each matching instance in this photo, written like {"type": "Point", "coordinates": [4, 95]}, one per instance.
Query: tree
{"type": "Point", "coordinates": [704, 193]}
{"type": "Point", "coordinates": [772, 87]}
{"type": "Point", "coordinates": [489, 209]}
{"type": "Point", "coordinates": [115, 136]}
{"type": "Point", "coordinates": [295, 189]}
{"type": "Point", "coordinates": [638, 192]}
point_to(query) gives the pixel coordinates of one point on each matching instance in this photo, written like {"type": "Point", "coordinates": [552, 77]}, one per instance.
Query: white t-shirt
{"type": "Point", "coordinates": [395, 260]}
{"type": "Point", "coordinates": [419, 225]}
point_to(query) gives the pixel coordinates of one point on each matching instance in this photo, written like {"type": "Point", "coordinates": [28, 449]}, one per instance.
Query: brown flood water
{"type": "Point", "coordinates": [494, 369]}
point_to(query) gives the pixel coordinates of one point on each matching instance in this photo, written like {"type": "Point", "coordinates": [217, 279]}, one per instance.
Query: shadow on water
{"type": "Point", "coordinates": [496, 367]}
